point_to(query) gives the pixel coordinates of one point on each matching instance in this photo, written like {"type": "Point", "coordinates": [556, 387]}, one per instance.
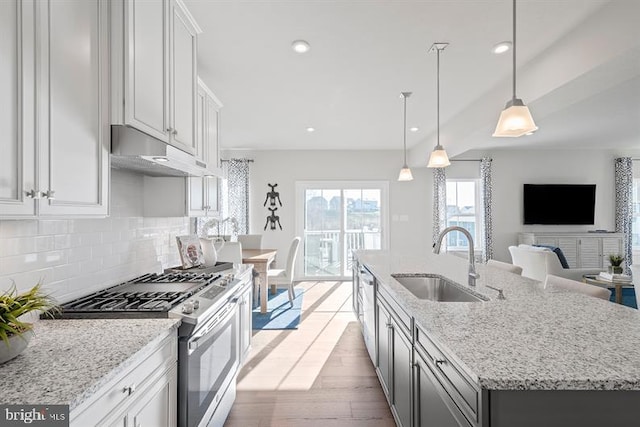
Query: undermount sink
{"type": "Point", "coordinates": [435, 288]}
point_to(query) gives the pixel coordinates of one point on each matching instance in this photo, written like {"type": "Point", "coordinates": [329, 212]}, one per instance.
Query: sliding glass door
{"type": "Point", "coordinates": [336, 218]}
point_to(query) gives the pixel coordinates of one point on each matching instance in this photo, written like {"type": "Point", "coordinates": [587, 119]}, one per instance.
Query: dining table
{"type": "Point", "coordinates": [261, 259]}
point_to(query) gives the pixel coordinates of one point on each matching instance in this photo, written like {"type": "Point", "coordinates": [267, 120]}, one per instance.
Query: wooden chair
{"type": "Point", "coordinates": [250, 241]}
{"type": "Point", "coordinates": [505, 266]}
{"type": "Point", "coordinates": [284, 277]}
{"type": "Point", "coordinates": [558, 282]}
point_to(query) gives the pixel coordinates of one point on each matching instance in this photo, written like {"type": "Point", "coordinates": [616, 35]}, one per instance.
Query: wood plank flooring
{"type": "Point", "coordinates": [317, 375]}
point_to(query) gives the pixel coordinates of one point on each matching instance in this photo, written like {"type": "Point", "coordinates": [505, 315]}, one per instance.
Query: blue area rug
{"type": "Point", "coordinates": [280, 314]}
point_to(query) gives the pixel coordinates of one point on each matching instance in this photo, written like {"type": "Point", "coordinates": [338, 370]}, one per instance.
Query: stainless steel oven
{"type": "Point", "coordinates": [209, 360]}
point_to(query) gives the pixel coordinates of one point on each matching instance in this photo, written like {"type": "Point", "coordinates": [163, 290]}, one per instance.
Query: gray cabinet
{"type": "Point", "coordinates": [245, 301]}
{"type": "Point", "coordinates": [434, 406]}
{"type": "Point", "coordinates": [394, 360]}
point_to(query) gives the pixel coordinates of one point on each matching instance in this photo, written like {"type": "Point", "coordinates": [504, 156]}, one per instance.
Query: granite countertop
{"type": "Point", "coordinates": [536, 339]}
{"type": "Point", "coordinates": [69, 360]}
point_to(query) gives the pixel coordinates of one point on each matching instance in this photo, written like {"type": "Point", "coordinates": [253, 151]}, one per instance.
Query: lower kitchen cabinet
{"type": "Point", "coordinates": [145, 394]}
{"type": "Point", "coordinates": [434, 406]}
{"type": "Point", "coordinates": [394, 364]}
{"type": "Point", "coordinates": [245, 310]}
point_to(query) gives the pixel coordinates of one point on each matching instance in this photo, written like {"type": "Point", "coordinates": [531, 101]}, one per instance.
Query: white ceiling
{"type": "Point", "coordinates": [578, 69]}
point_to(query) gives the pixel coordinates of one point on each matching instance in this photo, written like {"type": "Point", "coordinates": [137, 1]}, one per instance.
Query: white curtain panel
{"type": "Point", "coordinates": [235, 200]}
{"type": "Point", "coordinates": [624, 206]}
{"type": "Point", "coordinates": [439, 202]}
{"type": "Point", "coordinates": [486, 187]}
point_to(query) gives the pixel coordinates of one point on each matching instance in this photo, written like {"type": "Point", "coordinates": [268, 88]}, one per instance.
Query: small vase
{"type": "Point", "coordinates": [617, 269]}
{"type": "Point", "coordinates": [17, 344]}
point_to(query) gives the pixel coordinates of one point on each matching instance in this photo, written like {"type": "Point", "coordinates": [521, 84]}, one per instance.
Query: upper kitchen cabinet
{"type": "Point", "coordinates": [154, 69]}
{"type": "Point", "coordinates": [203, 191]}
{"type": "Point", "coordinates": [56, 111]}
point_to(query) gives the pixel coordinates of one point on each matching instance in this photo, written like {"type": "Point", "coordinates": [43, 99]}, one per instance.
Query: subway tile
{"type": "Point", "coordinates": [17, 246]}
{"type": "Point", "coordinates": [53, 226]}
{"type": "Point", "coordinates": [100, 251]}
{"type": "Point", "coordinates": [45, 243]}
{"type": "Point", "coordinates": [18, 228]}
{"type": "Point", "coordinates": [62, 241]}
{"type": "Point", "coordinates": [78, 254]}
{"type": "Point", "coordinates": [90, 239]}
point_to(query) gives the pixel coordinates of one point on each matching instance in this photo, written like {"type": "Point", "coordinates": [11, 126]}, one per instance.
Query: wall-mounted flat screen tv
{"type": "Point", "coordinates": [559, 204]}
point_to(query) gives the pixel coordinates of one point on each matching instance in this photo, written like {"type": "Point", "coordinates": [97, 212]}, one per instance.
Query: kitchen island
{"type": "Point", "coordinates": [538, 357]}
{"type": "Point", "coordinates": [77, 362]}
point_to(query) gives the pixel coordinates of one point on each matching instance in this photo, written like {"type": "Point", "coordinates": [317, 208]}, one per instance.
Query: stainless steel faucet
{"type": "Point", "coordinates": [473, 276]}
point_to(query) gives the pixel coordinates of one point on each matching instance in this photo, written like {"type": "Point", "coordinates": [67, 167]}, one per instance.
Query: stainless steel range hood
{"type": "Point", "coordinates": [134, 150]}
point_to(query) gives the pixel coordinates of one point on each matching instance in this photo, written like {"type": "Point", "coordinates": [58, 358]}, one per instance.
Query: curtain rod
{"type": "Point", "coordinates": [246, 160]}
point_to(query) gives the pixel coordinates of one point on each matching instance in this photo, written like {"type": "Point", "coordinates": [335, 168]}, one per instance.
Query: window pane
{"type": "Point", "coordinates": [462, 212]}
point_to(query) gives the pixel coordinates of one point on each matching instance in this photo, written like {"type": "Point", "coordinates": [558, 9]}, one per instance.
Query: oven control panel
{"type": "Point", "coordinates": [206, 302]}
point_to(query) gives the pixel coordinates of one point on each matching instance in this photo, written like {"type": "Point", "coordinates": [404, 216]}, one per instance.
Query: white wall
{"type": "Point", "coordinates": [74, 257]}
{"type": "Point", "coordinates": [410, 202]}
{"type": "Point", "coordinates": [513, 168]}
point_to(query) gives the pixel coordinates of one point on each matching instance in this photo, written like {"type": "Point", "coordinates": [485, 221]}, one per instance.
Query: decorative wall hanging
{"type": "Point", "coordinates": [272, 220]}
{"type": "Point", "coordinates": [272, 196]}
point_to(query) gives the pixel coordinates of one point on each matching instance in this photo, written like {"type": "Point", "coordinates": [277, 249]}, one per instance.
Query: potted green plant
{"type": "Point", "coordinates": [616, 263]}
{"type": "Point", "coordinates": [15, 332]}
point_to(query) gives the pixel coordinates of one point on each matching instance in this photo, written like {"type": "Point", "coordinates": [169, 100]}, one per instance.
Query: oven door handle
{"type": "Point", "coordinates": [225, 314]}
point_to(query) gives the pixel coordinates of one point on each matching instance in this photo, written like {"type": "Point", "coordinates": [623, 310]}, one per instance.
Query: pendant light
{"type": "Point", "coordinates": [405, 172]}
{"type": "Point", "coordinates": [438, 158]}
{"type": "Point", "coordinates": [515, 120]}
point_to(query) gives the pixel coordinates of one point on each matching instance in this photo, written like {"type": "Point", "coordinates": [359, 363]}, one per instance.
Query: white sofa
{"type": "Point", "coordinates": [635, 274]}
{"type": "Point", "coordinates": [538, 262]}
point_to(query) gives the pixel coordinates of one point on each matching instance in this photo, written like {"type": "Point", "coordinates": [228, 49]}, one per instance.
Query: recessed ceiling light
{"type": "Point", "coordinates": [160, 159]}
{"type": "Point", "coordinates": [310, 129]}
{"type": "Point", "coordinates": [501, 47]}
{"type": "Point", "coordinates": [414, 129]}
{"type": "Point", "coordinates": [300, 46]}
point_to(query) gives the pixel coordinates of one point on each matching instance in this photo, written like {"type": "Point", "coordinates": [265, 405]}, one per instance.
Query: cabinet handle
{"type": "Point", "coordinates": [389, 326]}
{"type": "Point", "coordinates": [170, 130]}
{"type": "Point", "coordinates": [175, 131]}
{"type": "Point", "coordinates": [48, 194]}
{"type": "Point", "coordinates": [130, 390]}
{"type": "Point", "coordinates": [440, 362]}
{"type": "Point", "coordinates": [32, 194]}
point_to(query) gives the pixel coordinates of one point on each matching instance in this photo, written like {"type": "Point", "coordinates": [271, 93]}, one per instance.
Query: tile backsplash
{"type": "Point", "coordinates": [74, 257]}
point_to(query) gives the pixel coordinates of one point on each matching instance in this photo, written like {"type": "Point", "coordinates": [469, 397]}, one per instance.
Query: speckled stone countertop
{"type": "Point", "coordinates": [69, 360]}
{"type": "Point", "coordinates": [536, 339]}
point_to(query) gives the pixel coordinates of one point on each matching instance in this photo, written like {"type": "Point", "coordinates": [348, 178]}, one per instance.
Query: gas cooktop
{"type": "Point", "coordinates": [151, 295]}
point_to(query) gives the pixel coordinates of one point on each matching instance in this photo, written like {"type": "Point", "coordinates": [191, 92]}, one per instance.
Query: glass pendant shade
{"type": "Point", "coordinates": [515, 120]}
{"type": "Point", "coordinates": [405, 174]}
{"type": "Point", "coordinates": [438, 158]}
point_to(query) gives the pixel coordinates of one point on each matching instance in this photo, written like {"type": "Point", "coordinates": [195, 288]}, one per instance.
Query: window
{"type": "Point", "coordinates": [463, 210]}
{"type": "Point", "coordinates": [336, 218]}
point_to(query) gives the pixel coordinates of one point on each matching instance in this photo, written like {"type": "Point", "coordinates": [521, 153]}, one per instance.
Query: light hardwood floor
{"type": "Point", "coordinates": [317, 375]}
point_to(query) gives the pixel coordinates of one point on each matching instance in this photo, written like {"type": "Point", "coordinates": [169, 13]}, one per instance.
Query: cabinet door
{"type": "Point", "coordinates": [401, 375]}
{"type": "Point", "coordinates": [17, 144]}
{"type": "Point", "coordinates": [245, 324]}
{"type": "Point", "coordinates": [434, 406]}
{"type": "Point", "coordinates": [610, 245]}
{"type": "Point", "coordinates": [589, 248]}
{"type": "Point", "coordinates": [182, 54]}
{"type": "Point", "coordinates": [157, 406]}
{"type": "Point", "coordinates": [197, 185]}
{"type": "Point", "coordinates": [73, 105]}
{"type": "Point", "coordinates": [569, 247]}
{"type": "Point", "coordinates": [383, 341]}
{"type": "Point", "coordinates": [146, 65]}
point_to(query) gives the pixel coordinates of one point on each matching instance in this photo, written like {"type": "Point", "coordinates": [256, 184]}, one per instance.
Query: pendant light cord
{"type": "Point", "coordinates": [438, 96]}
{"type": "Point", "coordinates": [514, 49]}
{"type": "Point", "coordinates": [405, 130]}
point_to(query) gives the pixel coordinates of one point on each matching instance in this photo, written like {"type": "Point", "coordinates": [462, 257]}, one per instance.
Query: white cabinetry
{"type": "Point", "coordinates": [582, 250]}
{"type": "Point", "coordinates": [203, 191]}
{"type": "Point", "coordinates": [245, 301]}
{"type": "Point", "coordinates": [154, 46]}
{"type": "Point", "coordinates": [56, 78]}
{"type": "Point", "coordinates": [143, 395]}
